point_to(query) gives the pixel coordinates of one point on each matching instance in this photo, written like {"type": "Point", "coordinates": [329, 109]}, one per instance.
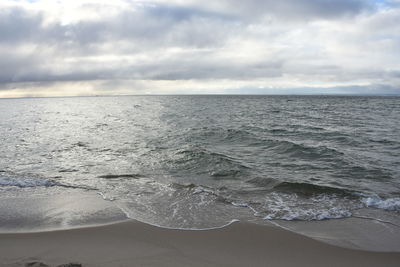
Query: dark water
{"type": "Point", "coordinates": [202, 161]}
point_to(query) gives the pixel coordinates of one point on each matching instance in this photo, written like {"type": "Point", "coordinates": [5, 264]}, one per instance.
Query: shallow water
{"type": "Point", "coordinates": [203, 161]}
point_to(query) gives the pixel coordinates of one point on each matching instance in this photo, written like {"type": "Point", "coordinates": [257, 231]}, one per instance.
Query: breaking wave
{"type": "Point", "coordinates": [307, 189]}
{"type": "Point", "coordinates": [375, 201]}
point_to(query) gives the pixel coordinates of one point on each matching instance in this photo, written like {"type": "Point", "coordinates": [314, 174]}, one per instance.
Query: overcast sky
{"type": "Point", "coordinates": [87, 47]}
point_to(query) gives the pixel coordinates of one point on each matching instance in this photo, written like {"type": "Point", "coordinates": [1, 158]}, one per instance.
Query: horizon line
{"type": "Point", "coordinates": [216, 94]}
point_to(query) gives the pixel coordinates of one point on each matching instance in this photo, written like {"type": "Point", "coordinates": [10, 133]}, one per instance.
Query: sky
{"type": "Point", "coordinates": [87, 47]}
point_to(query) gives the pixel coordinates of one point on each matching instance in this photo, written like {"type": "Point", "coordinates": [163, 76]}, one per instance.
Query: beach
{"type": "Point", "coordinates": [132, 243]}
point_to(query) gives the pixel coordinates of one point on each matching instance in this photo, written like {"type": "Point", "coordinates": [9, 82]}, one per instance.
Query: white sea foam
{"type": "Point", "coordinates": [322, 207]}
{"type": "Point", "coordinates": [282, 206]}
{"type": "Point", "coordinates": [106, 197]}
{"type": "Point", "coordinates": [240, 204]}
{"type": "Point", "coordinates": [310, 215]}
{"type": "Point", "coordinates": [379, 203]}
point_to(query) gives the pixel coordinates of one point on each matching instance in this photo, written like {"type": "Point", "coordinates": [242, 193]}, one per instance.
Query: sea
{"type": "Point", "coordinates": [204, 161]}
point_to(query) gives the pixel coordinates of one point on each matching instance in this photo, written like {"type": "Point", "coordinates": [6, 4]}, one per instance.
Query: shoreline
{"type": "Point", "coordinates": [132, 243]}
{"type": "Point", "coordinates": [75, 210]}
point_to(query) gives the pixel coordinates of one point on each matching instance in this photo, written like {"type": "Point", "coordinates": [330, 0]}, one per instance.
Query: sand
{"type": "Point", "coordinates": [132, 243]}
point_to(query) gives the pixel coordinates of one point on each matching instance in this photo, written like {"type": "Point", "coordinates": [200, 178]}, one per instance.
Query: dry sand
{"type": "Point", "coordinates": [133, 243]}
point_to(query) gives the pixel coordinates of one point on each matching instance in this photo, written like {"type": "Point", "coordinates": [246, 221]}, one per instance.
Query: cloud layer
{"type": "Point", "coordinates": [227, 46]}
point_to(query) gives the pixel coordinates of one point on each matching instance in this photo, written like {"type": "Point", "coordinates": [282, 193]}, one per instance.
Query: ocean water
{"type": "Point", "coordinates": [197, 162]}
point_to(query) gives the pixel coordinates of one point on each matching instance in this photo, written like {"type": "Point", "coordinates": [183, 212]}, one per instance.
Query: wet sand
{"type": "Point", "coordinates": [132, 243]}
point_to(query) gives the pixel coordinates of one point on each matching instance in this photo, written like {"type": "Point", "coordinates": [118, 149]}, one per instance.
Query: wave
{"type": "Point", "coordinates": [300, 188]}
{"type": "Point", "coordinates": [308, 202]}
{"type": "Point", "coordinates": [303, 151]}
{"type": "Point", "coordinates": [220, 174]}
{"type": "Point", "coordinates": [222, 135]}
{"type": "Point", "coordinates": [201, 161]}
{"type": "Point", "coordinates": [81, 144]}
{"type": "Point", "coordinates": [285, 201]}
{"type": "Point", "coordinates": [392, 204]}
{"type": "Point", "coordinates": [117, 176]}
{"type": "Point", "coordinates": [194, 189]}
{"type": "Point", "coordinates": [263, 182]}
{"type": "Point", "coordinates": [255, 136]}
{"type": "Point", "coordinates": [296, 129]}
{"type": "Point", "coordinates": [319, 207]}
{"type": "Point", "coordinates": [259, 138]}
{"type": "Point", "coordinates": [290, 207]}
{"type": "Point", "coordinates": [282, 201]}
{"type": "Point", "coordinates": [307, 189]}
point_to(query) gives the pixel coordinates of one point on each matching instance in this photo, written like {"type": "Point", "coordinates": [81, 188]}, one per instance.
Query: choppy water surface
{"type": "Point", "coordinates": [202, 161]}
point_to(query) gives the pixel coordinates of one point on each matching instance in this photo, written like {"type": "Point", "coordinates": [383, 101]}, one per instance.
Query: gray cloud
{"type": "Point", "coordinates": [285, 43]}
{"type": "Point", "coordinates": [292, 9]}
{"type": "Point", "coordinates": [18, 25]}
{"type": "Point", "coordinates": [161, 25]}
{"type": "Point", "coordinates": [202, 66]}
